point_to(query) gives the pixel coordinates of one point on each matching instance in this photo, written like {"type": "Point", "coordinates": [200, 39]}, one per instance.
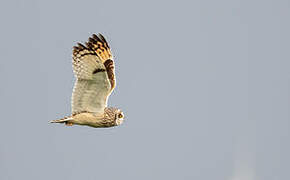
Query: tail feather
{"type": "Point", "coordinates": [63, 120]}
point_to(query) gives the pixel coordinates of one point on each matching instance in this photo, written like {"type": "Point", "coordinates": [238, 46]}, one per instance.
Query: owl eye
{"type": "Point", "coordinates": [120, 116]}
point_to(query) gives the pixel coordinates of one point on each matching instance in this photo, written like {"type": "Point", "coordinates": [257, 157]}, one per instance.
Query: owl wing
{"type": "Point", "coordinates": [93, 67]}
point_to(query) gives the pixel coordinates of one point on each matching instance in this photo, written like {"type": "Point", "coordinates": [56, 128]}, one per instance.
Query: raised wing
{"type": "Point", "coordinates": [94, 69]}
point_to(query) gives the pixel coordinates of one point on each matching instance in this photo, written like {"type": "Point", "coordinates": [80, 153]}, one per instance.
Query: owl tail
{"type": "Point", "coordinates": [65, 120]}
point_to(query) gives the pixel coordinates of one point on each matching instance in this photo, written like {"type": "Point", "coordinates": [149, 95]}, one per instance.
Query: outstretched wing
{"type": "Point", "coordinates": [93, 67]}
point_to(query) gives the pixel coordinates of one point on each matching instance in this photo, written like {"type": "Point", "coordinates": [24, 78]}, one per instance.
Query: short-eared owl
{"type": "Point", "coordinates": [93, 67]}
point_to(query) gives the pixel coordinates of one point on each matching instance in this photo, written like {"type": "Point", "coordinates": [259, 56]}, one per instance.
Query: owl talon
{"type": "Point", "coordinates": [68, 123]}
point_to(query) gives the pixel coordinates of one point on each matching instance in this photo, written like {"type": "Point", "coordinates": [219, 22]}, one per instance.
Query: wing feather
{"type": "Point", "coordinates": [99, 44]}
{"type": "Point", "coordinates": [90, 95]}
{"type": "Point", "coordinates": [94, 70]}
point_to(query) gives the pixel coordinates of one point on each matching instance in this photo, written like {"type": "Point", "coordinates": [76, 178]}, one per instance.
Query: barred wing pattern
{"type": "Point", "coordinates": [93, 67]}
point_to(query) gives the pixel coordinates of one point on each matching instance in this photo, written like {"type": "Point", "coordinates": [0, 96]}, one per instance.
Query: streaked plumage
{"type": "Point", "coordinates": [93, 67]}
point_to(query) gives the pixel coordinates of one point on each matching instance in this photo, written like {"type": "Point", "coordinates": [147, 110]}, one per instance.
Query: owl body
{"type": "Point", "coordinates": [93, 67]}
{"type": "Point", "coordinates": [111, 117]}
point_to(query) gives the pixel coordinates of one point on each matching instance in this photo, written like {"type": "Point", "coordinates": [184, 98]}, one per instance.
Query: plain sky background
{"type": "Point", "coordinates": [204, 86]}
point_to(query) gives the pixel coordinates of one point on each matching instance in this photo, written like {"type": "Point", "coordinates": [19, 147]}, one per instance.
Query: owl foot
{"type": "Point", "coordinates": [68, 123]}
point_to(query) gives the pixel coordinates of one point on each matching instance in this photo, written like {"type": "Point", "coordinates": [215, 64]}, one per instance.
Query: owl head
{"type": "Point", "coordinates": [115, 114]}
{"type": "Point", "coordinates": [119, 117]}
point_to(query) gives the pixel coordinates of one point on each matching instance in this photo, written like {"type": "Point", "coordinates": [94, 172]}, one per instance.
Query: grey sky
{"type": "Point", "coordinates": [204, 86]}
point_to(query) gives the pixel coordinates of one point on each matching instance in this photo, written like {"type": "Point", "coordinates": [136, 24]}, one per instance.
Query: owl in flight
{"type": "Point", "coordinates": [93, 67]}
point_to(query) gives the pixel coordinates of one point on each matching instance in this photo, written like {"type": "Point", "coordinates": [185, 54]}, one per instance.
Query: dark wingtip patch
{"type": "Point", "coordinates": [102, 37]}
{"type": "Point", "coordinates": [96, 38]}
{"type": "Point", "coordinates": [81, 46]}
{"type": "Point", "coordinates": [89, 45]}
{"type": "Point", "coordinates": [93, 41]}
{"type": "Point", "coordinates": [96, 45]}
